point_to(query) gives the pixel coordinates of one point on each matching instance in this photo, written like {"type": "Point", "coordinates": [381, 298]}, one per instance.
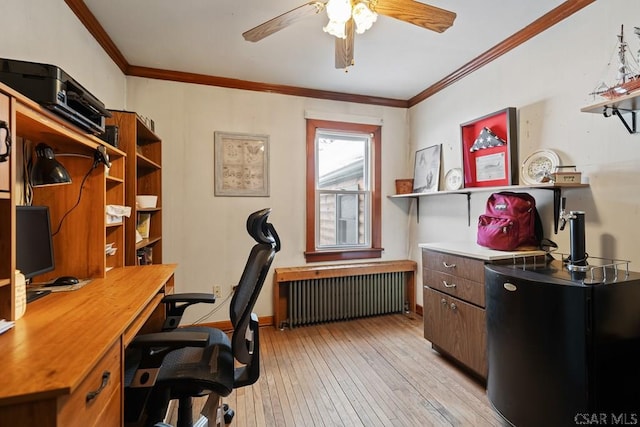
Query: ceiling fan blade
{"type": "Point", "coordinates": [279, 22]}
{"type": "Point", "coordinates": [344, 47]}
{"type": "Point", "coordinates": [413, 12]}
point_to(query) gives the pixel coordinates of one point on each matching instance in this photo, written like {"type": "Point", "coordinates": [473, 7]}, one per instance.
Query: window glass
{"type": "Point", "coordinates": [342, 161]}
{"type": "Point", "coordinates": [342, 185]}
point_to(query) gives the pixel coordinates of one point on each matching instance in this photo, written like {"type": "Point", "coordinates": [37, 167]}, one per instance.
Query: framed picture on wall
{"type": "Point", "coordinates": [490, 150]}
{"type": "Point", "coordinates": [426, 172]}
{"type": "Point", "coordinates": [241, 164]}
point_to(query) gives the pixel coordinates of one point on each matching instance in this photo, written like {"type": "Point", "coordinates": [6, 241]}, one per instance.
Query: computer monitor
{"type": "Point", "coordinates": [34, 245]}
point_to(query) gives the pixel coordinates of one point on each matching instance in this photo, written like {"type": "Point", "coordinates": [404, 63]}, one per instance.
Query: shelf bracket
{"type": "Point", "coordinates": [468, 209]}
{"type": "Point", "coordinates": [629, 124]}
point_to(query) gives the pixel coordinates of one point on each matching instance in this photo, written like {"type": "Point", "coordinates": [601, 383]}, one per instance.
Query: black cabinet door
{"type": "Point", "coordinates": [537, 350]}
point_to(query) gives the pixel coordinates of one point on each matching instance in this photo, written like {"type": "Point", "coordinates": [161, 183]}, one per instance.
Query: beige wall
{"type": "Point", "coordinates": [548, 80]}
{"type": "Point", "coordinates": [206, 234]}
{"type": "Point", "coordinates": [47, 31]}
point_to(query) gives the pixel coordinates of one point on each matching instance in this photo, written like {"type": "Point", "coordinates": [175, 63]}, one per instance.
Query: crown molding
{"type": "Point", "coordinates": [99, 34]}
{"type": "Point", "coordinates": [543, 23]}
{"type": "Point", "coordinates": [203, 79]}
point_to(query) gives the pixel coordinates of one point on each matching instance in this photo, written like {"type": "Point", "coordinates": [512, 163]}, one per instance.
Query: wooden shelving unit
{"type": "Point", "coordinates": [79, 246]}
{"type": "Point", "coordinates": [143, 177]}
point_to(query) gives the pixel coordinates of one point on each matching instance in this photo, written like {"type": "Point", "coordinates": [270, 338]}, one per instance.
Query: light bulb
{"type": "Point", "coordinates": [363, 17]}
{"type": "Point", "coordinates": [335, 29]}
{"type": "Point", "coordinates": [339, 10]}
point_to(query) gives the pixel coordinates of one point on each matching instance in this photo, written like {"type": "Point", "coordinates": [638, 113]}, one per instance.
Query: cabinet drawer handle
{"type": "Point", "coordinates": [448, 285]}
{"type": "Point", "coordinates": [454, 306]}
{"type": "Point", "coordinates": [105, 380]}
{"type": "Point", "coordinates": [443, 302]}
{"type": "Point", "coordinates": [448, 265]}
{"type": "Point", "coordinates": [7, 141]}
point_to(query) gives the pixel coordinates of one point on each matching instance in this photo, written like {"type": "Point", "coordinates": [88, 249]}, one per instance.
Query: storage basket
{"type": "Point", "coordinates": [404, 186]}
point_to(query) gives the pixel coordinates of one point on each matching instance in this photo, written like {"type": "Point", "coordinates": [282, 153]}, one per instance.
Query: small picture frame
{"type": "Point", "coordinates": [241, 164]}
{"type": "Point", "coordinates": [490, 164]}
{"type": "Point", "coordinates": [426, 172]}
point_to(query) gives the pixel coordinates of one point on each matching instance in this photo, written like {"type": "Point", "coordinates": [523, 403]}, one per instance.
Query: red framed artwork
{"type": "Point", "coordinates": [490, 150]}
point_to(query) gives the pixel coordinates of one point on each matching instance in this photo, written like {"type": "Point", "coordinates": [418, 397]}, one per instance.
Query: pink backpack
{"type": "Point", "coordinates": [511, 221]}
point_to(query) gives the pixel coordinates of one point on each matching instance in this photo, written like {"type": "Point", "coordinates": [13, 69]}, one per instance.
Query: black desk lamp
{"type": "Point", "coordinates": [46, 169]}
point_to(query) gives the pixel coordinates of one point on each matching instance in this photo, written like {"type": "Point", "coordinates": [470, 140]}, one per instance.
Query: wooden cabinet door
{"type": "Point", "coordinates": [456, 328]}
{"type": "Point", "coordinates": [5, 170]}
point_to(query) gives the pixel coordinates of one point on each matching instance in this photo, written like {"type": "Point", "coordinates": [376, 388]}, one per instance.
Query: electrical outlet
{"type": "Point", "coordinates": [217, 291]}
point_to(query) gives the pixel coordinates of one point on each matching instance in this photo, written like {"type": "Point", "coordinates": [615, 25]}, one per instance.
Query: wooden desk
{"type": "Point", "coordinates": [66, 341]}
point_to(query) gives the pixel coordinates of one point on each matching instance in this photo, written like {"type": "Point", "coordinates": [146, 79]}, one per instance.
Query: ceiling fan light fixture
{"type": "Point", "coordinates": [363, 17]}
{"type": "Point", "coordinates": [336, 29]}
{"type": "Point", "coordinates": [350, 17]}
{"type": "Point", "coordinates": [339, 12]}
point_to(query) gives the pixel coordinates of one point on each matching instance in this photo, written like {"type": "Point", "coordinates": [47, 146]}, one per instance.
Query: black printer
{"type": "Point", "coordinates": [54, 89]}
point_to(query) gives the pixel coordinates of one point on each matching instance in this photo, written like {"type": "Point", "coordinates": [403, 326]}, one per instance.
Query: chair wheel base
{"type": "Point", "coordinates": [228, 413]}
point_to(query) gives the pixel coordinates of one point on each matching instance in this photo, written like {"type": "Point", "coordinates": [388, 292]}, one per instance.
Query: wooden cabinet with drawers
{"type": "Point", "coordinates": [97, 399]}
{"type": "Point", "coordinates": [63, 362]}
{"type": "Point", "coordinates": [454, 317]}
{"type": "Point", "coordinates": [453, 299]}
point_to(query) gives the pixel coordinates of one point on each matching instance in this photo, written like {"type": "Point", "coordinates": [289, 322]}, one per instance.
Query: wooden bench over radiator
{"type": "Point", "coordinates": [285, 275]}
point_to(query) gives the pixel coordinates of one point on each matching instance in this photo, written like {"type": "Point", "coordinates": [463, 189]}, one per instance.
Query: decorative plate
{"type": "Point", "coordinates": [538, 167]}
{"type": "Point", "coordinates": [453, 179]}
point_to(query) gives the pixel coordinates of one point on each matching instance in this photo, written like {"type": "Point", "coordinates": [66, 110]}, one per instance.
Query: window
{"type": "Point", "coordinates": [343, 191]}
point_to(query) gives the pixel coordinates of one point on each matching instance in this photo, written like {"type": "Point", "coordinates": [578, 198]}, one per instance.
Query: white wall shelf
{"type": "Point", "coordinates": [557, 196]}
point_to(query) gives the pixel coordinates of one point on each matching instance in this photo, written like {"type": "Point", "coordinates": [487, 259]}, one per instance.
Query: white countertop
{"type": "Point", "coordinates": [473, 250]}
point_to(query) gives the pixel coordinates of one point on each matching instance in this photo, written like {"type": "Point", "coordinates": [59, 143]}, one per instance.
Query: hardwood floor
{"type": "Point", "coordinates": [377, 371]}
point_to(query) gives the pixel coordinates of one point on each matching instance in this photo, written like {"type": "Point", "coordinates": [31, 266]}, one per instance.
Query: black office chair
{"type": "Point", "coordinates": [198, 361]}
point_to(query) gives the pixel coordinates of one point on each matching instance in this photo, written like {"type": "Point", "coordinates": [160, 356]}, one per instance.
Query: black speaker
{"type": "Point", "coordinates": [110, 135]}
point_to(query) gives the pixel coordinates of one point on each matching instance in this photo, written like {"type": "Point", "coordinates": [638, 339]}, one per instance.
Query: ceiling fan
{"type": "Point", "coordinates": [347, 17]}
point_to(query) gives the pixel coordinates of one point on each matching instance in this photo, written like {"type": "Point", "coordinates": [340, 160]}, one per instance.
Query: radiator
{"type": "Point", "coordinates": [341, 298]}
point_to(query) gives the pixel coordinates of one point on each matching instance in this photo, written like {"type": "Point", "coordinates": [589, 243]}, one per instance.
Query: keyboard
{"type": "Point", "coordinates": [34, 295]}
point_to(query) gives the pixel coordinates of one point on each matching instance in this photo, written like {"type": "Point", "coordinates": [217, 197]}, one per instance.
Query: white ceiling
{"type": "Point", "coordinates": [393, 59]}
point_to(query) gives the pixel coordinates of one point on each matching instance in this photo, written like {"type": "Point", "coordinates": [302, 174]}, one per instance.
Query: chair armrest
{"type": "Point", "coordinates": [176, 304]}
{"type": "Point", "coordinates": [157, 345]}
{"type": "Point", "coordinates": [192, 298]}
{"type": "Point", "coordinates": [174, 340]}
